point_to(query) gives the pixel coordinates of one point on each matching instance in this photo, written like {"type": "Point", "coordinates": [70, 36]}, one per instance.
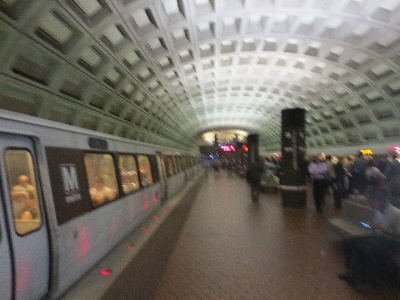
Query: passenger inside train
{"type": "Point", "coordinates": [130, 181]}
{"type": "Point", "coordinates": [25, 201]}
{"type": "Point", "coordinates": [129, 175]}
{"type": "Point", "coordinates": [144, 170]}
{"type": "Point", "coordinates": [102, 179]}
{"type": "Point", "coordinates": [100, 193]}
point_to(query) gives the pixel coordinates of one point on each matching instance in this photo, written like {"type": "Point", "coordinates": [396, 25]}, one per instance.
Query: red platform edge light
{"type": "Point", "coordinates": [145, 204]}
{"type": "Point", "coordinates": [83, 243]}
{"type": "Point", "coordinates": [155, 197]}
{"type": "Point", "coordinates": [164, 209]}
{"type": "Point", "coordinates": [156, 218]}
{"type": "Point", "coordinates": [145, 229]}
{"type": "Point", "coordinates": [105, 272]}
{"type": "Point", "coordinates": [129, 245]}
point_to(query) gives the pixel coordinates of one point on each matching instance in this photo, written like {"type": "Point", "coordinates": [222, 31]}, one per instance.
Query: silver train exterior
{"type": "Point", "coordinates": [68, 230]}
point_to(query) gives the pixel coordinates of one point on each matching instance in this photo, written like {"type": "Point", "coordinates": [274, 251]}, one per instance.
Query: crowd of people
{"type": "Point", "coordinates": [354, 175]}
{"type": "Point", "coordinates": [339, 176]}
{"type": "Point", "coordinates": [371, 259]}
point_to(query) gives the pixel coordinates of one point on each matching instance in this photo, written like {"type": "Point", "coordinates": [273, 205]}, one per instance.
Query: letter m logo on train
{"type": "Point", "coordinates": [70, 182]}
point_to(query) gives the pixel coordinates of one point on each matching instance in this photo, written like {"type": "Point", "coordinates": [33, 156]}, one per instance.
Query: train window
{"type": "Point", "coordinates": [161, 171]}
{"type": "Point", "coordinates": [23, 192]}
{"type": "Point", "coordinates": [187, 162]}
{"type": "Point", "coordinates": [179, 163]}
{"type": "Point", "coordinates": [145, 170]}
{"type": "Point", "coordinates": [169, 166]}
{"type": "Point", "coordinates": [100, 170]}
{"type": "Point", "coordinates": [183, 163]}
{"type": "Point", "coordinates": [128, 172]}
{"type": "Point", "coordinates": [176, 166]}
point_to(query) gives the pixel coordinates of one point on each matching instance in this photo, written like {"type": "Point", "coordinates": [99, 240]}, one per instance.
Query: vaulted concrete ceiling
{"type": "Point", "coordinates": [166, 71]}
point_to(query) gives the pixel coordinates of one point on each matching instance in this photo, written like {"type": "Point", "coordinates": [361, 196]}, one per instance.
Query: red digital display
{"type": "Point", "coordinates": [227, 148]}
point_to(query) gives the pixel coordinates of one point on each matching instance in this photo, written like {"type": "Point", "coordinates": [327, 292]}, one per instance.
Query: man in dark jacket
{"type": "Point", "coordinates": [358, 173]}
{"type": "Point", "coordinates": [253, 176]}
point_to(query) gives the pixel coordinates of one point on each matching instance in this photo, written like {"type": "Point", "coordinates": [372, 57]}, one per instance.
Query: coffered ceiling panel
{"type": "Point", "coordinates": [167, 71]}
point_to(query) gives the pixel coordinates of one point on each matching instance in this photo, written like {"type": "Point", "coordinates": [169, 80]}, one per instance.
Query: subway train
{"type": "Point", "coordinates": [70, 195]}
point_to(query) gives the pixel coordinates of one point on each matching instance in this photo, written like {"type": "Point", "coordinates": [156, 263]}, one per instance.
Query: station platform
{"type": "Point", "coordinates": [229, 248]}
{"type": "Point", "coordinates": [232, 248]}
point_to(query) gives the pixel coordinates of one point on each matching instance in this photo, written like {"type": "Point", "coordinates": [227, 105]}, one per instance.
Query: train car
{"type": "Point", "coordinates": [69, 195]}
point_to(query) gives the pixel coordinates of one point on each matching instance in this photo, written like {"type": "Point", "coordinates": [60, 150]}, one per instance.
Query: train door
{"type": "Point", "coordinates": [5, 260]}
{"type": "Point", "coordinates": [26, 232]}
{"type": "Point", "coordinates": [163, 178]}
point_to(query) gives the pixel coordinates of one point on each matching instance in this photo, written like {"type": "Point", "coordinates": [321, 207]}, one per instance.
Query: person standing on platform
{"type": "Point", "coordinates": [253, 176]}
{"type": "Point", "coordinates": [318, 172]}
{"type": "Point", "coordinates": [340, 182]}
{"type": "Point", "coordinates": [393, 177]}
{"type": "Point", "coordinates": [331, 162]}
{"type": "Point", "coordinates": [358, 174]}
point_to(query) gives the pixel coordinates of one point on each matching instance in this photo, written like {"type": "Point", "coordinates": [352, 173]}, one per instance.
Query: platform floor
{"type": "Point", "coordinates": [231, 248]}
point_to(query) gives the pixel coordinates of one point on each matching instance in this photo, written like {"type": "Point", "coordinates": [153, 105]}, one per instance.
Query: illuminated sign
{"type": "Point", "coordinates": [227, 148]}
{"type": "Point", "coordinates": [366, 151]}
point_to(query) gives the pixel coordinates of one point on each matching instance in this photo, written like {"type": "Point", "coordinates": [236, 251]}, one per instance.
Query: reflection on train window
{"type": "Point", "coordinates": [128, 172]}
{"type": "Point", "coordinates": [145, 171]}
{"type": "Point", "coordinates": [22, 186]}
{"type": "Point", "coordinates": [102, 180]}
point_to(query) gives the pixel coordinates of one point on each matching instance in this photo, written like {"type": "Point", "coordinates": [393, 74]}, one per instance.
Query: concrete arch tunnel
{"type": "Point", "coordinates": [166, 71]}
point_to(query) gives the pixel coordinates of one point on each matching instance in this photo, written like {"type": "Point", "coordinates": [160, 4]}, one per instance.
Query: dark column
{"type": "Point", "coordinates": [293, 181]}
{"type": "Point", "coordinates": [216, 140]}
{"type": "Point", "coordinates": [252, 143]}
